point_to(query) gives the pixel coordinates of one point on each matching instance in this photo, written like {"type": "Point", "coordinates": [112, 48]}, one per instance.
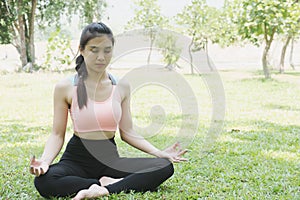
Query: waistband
{"type": "Point", "coordinates": [87, 151]}
{"type": "Point", "coordinates": [76, 137]}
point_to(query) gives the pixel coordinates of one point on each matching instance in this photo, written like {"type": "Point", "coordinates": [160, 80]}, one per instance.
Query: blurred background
{"type": "Point", "coordinates": [260, 35]}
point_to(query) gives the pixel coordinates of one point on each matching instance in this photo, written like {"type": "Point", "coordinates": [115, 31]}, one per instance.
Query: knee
{"type": "Point", "coordinates": [42, 185]}
{"type": "Point", "coordinates": [167, 167]}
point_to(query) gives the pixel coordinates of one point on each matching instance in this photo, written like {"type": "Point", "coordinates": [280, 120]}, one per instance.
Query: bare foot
{"type": "Point", "coordinates": [93, 191]}
{"type": "Point", "coordinates": [105, 180]}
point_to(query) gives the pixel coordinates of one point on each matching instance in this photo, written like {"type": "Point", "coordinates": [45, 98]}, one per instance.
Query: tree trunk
{"type": "Point", "coordinates": [22, 38]}
{"type": "Point", "coordinates": [291, 54]}
{"type": "Point", "coordinates": [265, 62]}
{"type": "Point", "coordinates": [207, 57]}
{"type": "Point", "coordinates": [191, 56]}
{"type": "Point", "coordinates": [27, 38]}
{"type": "Point", "coordinates": [281, 66]}
{"type": "Point", "coordinates": [268, 42]}
{"type": "Point", "coordinates": [31, 32]}
{"type": "Point", "coordinates": [152, 38]}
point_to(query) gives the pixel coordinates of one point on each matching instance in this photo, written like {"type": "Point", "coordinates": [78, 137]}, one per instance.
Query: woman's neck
{"type": "Point", "coordinates": [97, 78]}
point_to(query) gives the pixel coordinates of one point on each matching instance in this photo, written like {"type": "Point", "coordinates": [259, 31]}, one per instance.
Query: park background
{"type": "Point", "coordinates": [255, 156]}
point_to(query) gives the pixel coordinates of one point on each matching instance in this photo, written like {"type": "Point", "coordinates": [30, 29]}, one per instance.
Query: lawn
{"type": "Point", "coordinates": [256, 155]}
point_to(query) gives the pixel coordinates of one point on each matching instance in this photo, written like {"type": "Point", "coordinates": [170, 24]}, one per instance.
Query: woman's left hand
{"type": "Point", "coordinates": [174, 153]}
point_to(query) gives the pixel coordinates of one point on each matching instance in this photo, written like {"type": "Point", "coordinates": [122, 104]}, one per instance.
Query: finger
{"type": "Point", "coordinates": [32, 159]}
{"type": "Point", "coordinates": [42, 170]}
{"type": "Point", "coordinates": [31, 170]}
{"type": "Point", "coordinates": [178, 159]}
{"type": "Point", "coordinates": [183, 159]}
{"type": "Point", "coordinates": [175, 160]}
{"type": "Point", "coordinates": [182, 152]}
{"type": "Point", "coordinates": [36, 172]}
{"type": "Point", "coordinates": [176, 145]}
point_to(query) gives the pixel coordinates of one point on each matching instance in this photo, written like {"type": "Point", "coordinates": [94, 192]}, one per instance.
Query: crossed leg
{"type": "Point", "coordinates": [93, 191]}
{"type": "Point", "coordinates": [139, 174]}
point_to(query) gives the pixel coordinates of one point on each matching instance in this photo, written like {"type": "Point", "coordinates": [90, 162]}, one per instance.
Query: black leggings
{"type": "Point", "coordinates": [84, 162]}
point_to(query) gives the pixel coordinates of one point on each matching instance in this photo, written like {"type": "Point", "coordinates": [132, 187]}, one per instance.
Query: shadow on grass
{"type": "Point", "coordinates": [292, 73]}
{"type": "Point", "coordinates": [267, 130]}
{"type": "Point", "coordinates": [281, 107]}
{"type": "Point", "coordinates": [265, 139]}
{"type": "Point", "coordinates": [275, 72]}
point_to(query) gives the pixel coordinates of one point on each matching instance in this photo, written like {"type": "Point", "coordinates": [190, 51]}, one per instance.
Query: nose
{"type": "Point", "coordinates": [100, 56]}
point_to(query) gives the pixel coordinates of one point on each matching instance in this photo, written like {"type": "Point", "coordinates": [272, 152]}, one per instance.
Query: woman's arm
{"type": "Point", "coordinates": [126, 127]}
{"type": "Point", "coordinates": [128, 135]}
{"type": "Point", "coordinates": [60, 118]}
{"type": "Point", "coordinates": [56, 139]}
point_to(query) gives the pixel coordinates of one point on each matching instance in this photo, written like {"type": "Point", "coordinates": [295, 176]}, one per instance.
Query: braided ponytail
{"type": "Point", "coordinates": [82, 75]}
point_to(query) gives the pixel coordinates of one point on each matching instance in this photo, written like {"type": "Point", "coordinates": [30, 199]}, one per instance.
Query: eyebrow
{"type": "Point", "coordinates": [94, 47]}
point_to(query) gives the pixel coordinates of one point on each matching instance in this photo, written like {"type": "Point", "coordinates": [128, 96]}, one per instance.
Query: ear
{"type": "Point", "coordinates": [80, 50]}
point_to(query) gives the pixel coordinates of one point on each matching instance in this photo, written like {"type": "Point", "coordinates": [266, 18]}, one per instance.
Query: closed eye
{"type": "Point", "coordinates": [94, 49]}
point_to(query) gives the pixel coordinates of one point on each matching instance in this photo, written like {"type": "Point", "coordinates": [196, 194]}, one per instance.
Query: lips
{"type": "Point", "coordinates": [100, 64]}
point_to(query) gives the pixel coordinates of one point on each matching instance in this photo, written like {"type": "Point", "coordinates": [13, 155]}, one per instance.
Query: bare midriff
{"type": "Point", "coordinates": [96, 135]}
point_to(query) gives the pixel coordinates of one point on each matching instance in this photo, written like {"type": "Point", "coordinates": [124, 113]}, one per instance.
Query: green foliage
{"type": "Point", "coordinates": [92, 10]}
{"type": "Point", "coordinates": [5, 20]}
{"type": "Point", "coordinates": [58, 52]}
{"type": "Point", "coordinates": [171, 53]}
{"type": "Point", "coordinates": [50, 12]}
{"type": "Point", "coordinates": [10, 10]}
{"type": "Point", "coordinates": [200, 22]}
{"type": "Point", "coordinates": [147, 15]}
{"type": "Point", "coordinates": [18, 19]}
{"type": "Point", "coordinates": [227, 32]}
{"type": "Point", "coordinates": [291, 25]}
{"type": "Point", "coordinates": [259, 20]}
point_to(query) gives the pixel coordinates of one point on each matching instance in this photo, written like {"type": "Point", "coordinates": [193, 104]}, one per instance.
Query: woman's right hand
{"type": "Point", "coordinates": [38, 167]}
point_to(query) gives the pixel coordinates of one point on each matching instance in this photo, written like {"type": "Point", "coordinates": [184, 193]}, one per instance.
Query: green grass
{"type": "Point", "coordinates": [256, 156]}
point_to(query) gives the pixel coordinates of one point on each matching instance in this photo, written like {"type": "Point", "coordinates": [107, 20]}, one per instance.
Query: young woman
{"type": "Point", "coordinates": [91, 166]}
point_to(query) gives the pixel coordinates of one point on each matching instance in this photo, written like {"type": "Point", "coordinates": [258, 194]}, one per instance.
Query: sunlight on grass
{"type": "Point", "coordinates": [283, 155]}
{"type": "Point", "coordinates": [227, 138]}
{"type": "Point", "coordinates": [16, 145]}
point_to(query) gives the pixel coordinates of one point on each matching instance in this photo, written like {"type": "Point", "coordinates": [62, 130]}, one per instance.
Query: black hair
{"type": "Point", "coordinates": [89, 32]}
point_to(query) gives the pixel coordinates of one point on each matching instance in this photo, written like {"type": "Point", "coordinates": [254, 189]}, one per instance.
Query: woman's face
{"type": "Point", "coordinates": [97, 53]}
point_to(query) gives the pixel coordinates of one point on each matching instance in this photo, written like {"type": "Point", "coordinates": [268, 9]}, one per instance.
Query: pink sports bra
{"type": "Point", "coordinates": [97, 115]}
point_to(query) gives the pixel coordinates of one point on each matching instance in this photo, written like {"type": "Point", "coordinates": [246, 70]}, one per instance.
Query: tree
{"type": "Point", "coordinates": [18, 19]}
{"type": "Point", "coordinates": [171, 53]}
{"type": "Point", "coordinates": [148, 16]}
{"type": "Point", "coordinates": [291, 30]}
{"type": "Point", "coordinates": [259, 21]}
{"type": "Point", "coordinates": [226, 32]}
{"type": "Point", "coordinates": [291, 53]}
{"type": "Point", "coordinates": [198, 21]}
{"type": "Point", "coordinates": [57, 53]}
{"type": "Point", "coordinates": [18, 26]}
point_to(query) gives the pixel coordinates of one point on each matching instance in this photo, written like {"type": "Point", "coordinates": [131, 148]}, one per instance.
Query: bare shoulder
{"type": "Point", "coordinates": [124, 88]}
{"type": "Point", "coordinates": [64, 88]}
{"type": "Point", "coordinates": [64, 84]}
